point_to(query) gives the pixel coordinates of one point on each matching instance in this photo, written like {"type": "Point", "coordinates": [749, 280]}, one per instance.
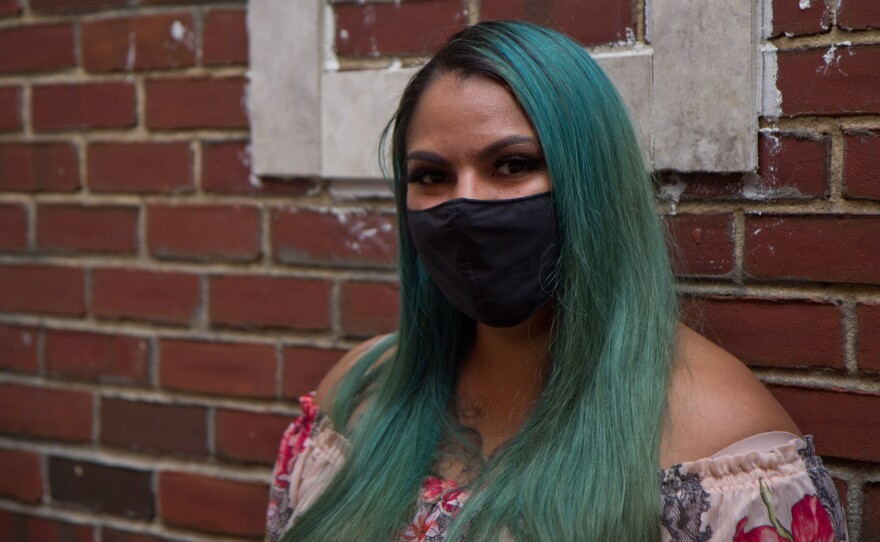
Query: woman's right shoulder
{"type": "Point", "coordinates": [326, 389]}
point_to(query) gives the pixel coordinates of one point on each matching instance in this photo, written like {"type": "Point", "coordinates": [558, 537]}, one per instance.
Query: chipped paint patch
{"type": "Point", "coordinates": [671, 193]}
{"type": "Point", "coordinates": [804, 4]}
{"type": "Point", "coordinates": [771, 97]}
{"type": "Point", "coordinates": [131, 54]}
{"type": "Point", "coordinates": [182, 35]}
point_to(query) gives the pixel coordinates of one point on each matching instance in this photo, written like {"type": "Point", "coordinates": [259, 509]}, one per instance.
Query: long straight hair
{"type": "Point", "coordinates": [584, 464]}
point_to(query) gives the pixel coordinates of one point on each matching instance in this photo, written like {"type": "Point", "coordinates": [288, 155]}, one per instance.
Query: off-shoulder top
{"type": "Point", "coordinates": [769, 488]}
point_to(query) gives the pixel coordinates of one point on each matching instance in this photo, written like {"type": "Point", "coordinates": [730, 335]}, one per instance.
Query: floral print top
{"type": "Point", "coordinates": [738, 495]}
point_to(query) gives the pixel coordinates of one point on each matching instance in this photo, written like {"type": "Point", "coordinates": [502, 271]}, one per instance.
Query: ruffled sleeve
{"type": "Point", "coordinates": [782, 495]}
{"type": "Point", "coordinates": [309, 454]}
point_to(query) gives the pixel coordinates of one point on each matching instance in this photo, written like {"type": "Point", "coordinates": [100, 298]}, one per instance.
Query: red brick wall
{"type": "Point", "coordinates": [159, 310]}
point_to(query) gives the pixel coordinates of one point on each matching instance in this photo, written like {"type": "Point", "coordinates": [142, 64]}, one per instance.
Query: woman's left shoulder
{"type": "Point", "coordinates": [714, 400]}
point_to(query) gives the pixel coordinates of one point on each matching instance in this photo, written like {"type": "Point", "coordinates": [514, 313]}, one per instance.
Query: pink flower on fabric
{"type": "Point", "coordinates": [809, 523]}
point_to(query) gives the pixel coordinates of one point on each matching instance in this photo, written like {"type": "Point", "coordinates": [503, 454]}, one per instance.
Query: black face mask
{"type": "Point", "coordinates": [493, 259]}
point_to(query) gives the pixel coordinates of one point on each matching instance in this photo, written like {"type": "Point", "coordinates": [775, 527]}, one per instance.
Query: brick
{"type": "Point", "coordinates": [844, 423]}
{"type": "Point", "coordinates": [21, 528]}
{"type": "Point", "coordinates": [224, 37]}
{"type": "Point", "coordinates": [773, 333]}
{"type": "Point", "coordinates": [871, 512]}
{"type": "Point", "coordinates": [101, 488]}
{"type": "Point", "coordinates": [703, 244]}
{"type": "Point", "coordinates": [74, 6]}
{"type": "Point", "coordinates": [869, 336]}
{"type": "Point", "coordinates": [38, 167]}
{"type": "Point", "coordinates": [10, 109]}
{"type": "Point", "coordinates": [861, 177]}
{"type": "Point", "coordinates": [793, 168]}
{"type": "Point", "coordinates": [66, 106]}
{"type": "Point", "coordinates": [304, 368]}
{"type": "Point", "coordinates": [138, 43]}
{"type": "Point", "coordinates": [156, 296]}
{"type": "Point", "coordinates": [213, 505]}
{"type": "Point", "coordinates": [844, 249]}
{"type": "Point", "coordinates": [858, 14]}
{"type": "Point", "coordinates": [19, 348]}
{"type": "Point", "coordinates": [21, 478]}
{"type": "Point", "coordinates": [196, 103]}
{"type": "Point", "coordinates": [87, 228]}
{"type": "Point", "coordinates": [700, 186]}
{"type": "Point", "coordinates": [37, 47]}
{"type": "Point", "coordinates": [114, 535]}
{"type": "Point", "coordinates": [249, 436]}
{"type": "Point", "coordinates": [791, 19]}
{"type": "Point", "coordinates": [42, 289]}
{"type": "Point", "coordinates": [9, 8]}
{"type": "Point", "coordinates": [369, 308]}
{"type": "Point", "coordinates": [835, 81]}
{"type": "Point", "coordinates": [154, 427]}
{"type": "Point", "coordinates": [226, 169]}
{"type": "Point", "coordinates": [396, 28]}
{"type": "Point", "coordinates": [189, 2]}
{"type": "Point", "coordinates": [143, 167]}
{"type": "Point", "coordinates": [223, 368]}
{"type": "Point", "coordinates": [97, 357]}
{"type": "Point", "coordinates": [590, 22]}
{"type": "Point", "coordinates": [49, 413]}
{"type": "Point", "coordinates": [260, 301]}
{"type": "Point", "coordinates": [335, 237]}
{"type": "Point", "coordinates": [13, 226]}
{"type": "Point", "coordinates": [226, 232]}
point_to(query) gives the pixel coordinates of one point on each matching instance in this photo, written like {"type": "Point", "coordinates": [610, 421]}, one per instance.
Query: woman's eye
{"type": "Point", "coordinates": [514, 166]}
{"type": "Point", "coordinates": [426, 177]}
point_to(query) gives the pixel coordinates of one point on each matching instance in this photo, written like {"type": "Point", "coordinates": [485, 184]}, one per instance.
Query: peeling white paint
{"type": "Point", "coordinates": [244, 156]}
{"type": "Point", "coordinates": [131, 55]}
{"type": "Point", "coordinates": [178, 31]}
{"type": "Point", "coordinates": [832, 58]}
{"type": "Point", "coordinates": [804, 4]}
{"type": "Point", "coordinates": [26, 338]}
{"type": "Point", "coordinates": [255, 181]}
{"type": "Point", "coordinates": [343, 34]}
{"type": "Point", "coordinates": [771, 98]}
{"type": "Point", "coordinates": [671, 193]}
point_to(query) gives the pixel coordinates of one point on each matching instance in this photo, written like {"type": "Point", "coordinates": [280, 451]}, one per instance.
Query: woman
{"type": "Point", "coordinates": [539, 381]}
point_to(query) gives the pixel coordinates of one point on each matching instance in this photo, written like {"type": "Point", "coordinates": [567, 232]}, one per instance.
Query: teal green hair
{"type": "Point", "coordinates": [584, 465]}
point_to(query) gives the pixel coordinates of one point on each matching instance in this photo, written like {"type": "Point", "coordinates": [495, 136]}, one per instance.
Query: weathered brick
{"type": "Point", "coordinates": [213, 505]}
{"type": "Point", "coordinates": [154, 427]}
{"type": "Point", "coordinates": [858, 14]}
{"type": "Point", "coordinates": [97, 357]}
{"type": "Point", "coordinates": [13, 226]}
{"type": "Point", "coordinates": [249, 436]}
{"type": "Point", "coordinates": [224, 37]}
{"type": "Point", "coordinates": [834, 81]}
{"type": "Point", "coordinates": [369, 308]}
{"type": "Point", "coordinates": [42, 289]}
{"type": "Point", "coordinates": [845, 424]}
{"type": "Point", "coordinates": [772, 333]}
{"type": "Point", "coordinates": [87, 228]}
{"type": "Point", "coordinates": [145, 295]}
{"type": "Point", "coordinates": [37, 167]}
{"type": "Point", "coordinates": [861, 176]}
{"type": "Point", "coordinates": [9, 8]}
{"type": "Point", "coordinates": [226, 232]}
{"type": "Point", "coordinates": [257, 301]}
{"type": "Point", "coordinates": [226, 169]}
{"type": "Point", "coordinates": [793, 168]}
{"type": "Point", "coordinates": [822, 248]}
{"type": "Point", "coordinates": [590, 22]}
{"type": "Point", "coordinates": [36, 47]}
{"type": "Point", "coordinates": [202, 102]}
{"type": "Point", "coordinates": [21, 528]}
{"type": "Point", "coordinates": [65, 106]}
{"type": "Point", "coordinates": [141, 167]}
{"type": "Point", "coordinates": [21, 478]}
{"type": "Point", "coordinates": [19, 348]}
{"type": "Point", "coordinates": [795, 19]}
{"type": "Point", "coordinates": [871, 512]}
{"type": "Point", "coordinates": [10, 109]}
{"type": "Point", "coordinates": [396, 28]}
{"type": "Point", "coordinates": [869, 336]}
{"type": "Point", "coordinates": [701, 185]}
{"type": "Point", "coordinates": [703, 244]}
{"type": "Point", "coordinates": [114, 535]}
{"type": "Point", "coordinates": [49, 413]}
{"type": "Point", "coordinates": [213, 367]}
{"type": "Point", "coordinates": [138, 43]}
{"type": "Point", "coordinates": [304, 368]}
{"type": "Point", "coordinates": [101, 488]}
{"type": "Point", "coordinates": [340, 236]}
{"type": "Point", "coordinates": [74, 6]}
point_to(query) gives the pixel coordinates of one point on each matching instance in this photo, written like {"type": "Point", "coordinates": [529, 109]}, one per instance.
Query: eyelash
{"type": "Point", "coordinates": [528, 164]}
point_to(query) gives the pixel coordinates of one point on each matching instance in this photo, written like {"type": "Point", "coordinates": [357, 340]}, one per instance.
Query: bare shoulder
{"type": "Point", "coordinates": [325, 390]}
{"type": "Point", "coordinates": [714, 400]}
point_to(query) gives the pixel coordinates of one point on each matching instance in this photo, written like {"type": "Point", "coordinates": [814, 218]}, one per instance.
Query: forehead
{"type": "Point", "coordinates": [472, 109]}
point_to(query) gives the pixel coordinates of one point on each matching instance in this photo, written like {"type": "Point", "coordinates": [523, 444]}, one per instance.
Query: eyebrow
{"type": "Point", "coordinates": [492, 148]}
